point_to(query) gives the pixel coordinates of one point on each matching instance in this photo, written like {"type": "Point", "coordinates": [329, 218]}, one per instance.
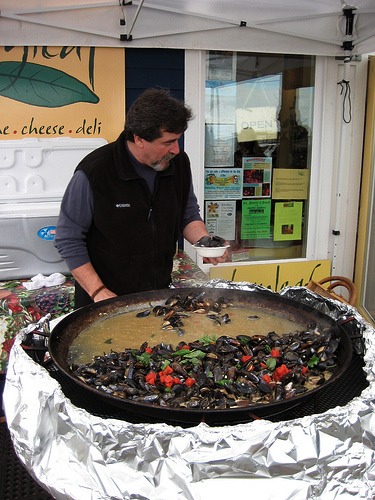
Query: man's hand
{"type": "Point", "coordinates": [217, 260]}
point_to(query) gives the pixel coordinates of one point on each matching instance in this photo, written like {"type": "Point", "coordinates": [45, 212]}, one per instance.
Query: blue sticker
{"type": "Point", "coordinates": [47, 233]}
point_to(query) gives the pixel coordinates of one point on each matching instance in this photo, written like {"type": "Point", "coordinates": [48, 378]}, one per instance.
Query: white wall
{"type": "Point", "coordinates": [336, 163]}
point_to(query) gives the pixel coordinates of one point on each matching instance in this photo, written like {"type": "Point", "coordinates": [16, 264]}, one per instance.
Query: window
{"type": "Point", "coordinates": [258, 131]}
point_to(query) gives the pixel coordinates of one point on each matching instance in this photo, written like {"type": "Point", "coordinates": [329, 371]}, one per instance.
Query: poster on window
{"type": "Point", "coordinates": [256, 219]}
{"type": "Point", "coordinates": [221, 218]}
{"type": "Point", "coordinates": [219, 150]}
{"type": "Point", "coordinates": [221, 65]}
{"type": "Point", "coordinates": [288, 221]}
{"type": "Point", "coordinates": [222, 183]}
{"type": "Point", "coordinates": [290, 183]}
{"type": "Point", "coordinates": [257, 172]}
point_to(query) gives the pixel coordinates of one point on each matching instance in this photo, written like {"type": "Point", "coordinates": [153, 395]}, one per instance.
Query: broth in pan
{"type": "Point", "coordinates": [129, 331]}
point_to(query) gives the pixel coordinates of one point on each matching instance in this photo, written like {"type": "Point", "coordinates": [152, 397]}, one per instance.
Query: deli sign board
{"type": "Point", "coordinates": [275, 276]}
{"type": "Point", "coordinates": [51, 92]}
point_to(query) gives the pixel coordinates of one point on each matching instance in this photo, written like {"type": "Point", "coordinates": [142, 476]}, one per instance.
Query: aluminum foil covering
{"type": "Point", "coordinates": [75, 455]}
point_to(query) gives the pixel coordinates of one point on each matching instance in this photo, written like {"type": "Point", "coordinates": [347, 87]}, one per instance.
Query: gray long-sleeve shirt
{"type": "Point", "coordinates": [76, 215]}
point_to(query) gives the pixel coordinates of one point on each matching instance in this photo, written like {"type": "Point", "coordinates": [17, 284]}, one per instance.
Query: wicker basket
{"type": "Point", "coordinates": [335, 281]}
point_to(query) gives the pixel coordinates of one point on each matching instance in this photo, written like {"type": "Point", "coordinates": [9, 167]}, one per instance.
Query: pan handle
{"type": "Point", "coordinates": [355, 331]}
{"type": "Point", "coordinates": [34, 339]}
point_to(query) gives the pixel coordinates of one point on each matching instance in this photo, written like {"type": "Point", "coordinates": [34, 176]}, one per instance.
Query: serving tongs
{"type": "Point", "coordinates": [34, 338]}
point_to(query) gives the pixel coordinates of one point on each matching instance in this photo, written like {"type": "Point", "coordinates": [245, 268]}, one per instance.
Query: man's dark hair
{"type": "Point", "coordinates": [153, 112]}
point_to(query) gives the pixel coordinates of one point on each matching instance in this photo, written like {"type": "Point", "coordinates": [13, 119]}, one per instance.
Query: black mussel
{"type": "Point", "coordinates": [294, 345]}
{"type": "Point", "coordinates": [333, 346]}
{"type": "Point", "coordinates": [217, 241]}
{"type": "Point", "coordinates": [204, 241]}
{"type": "Point", "coordinates": [150, 398]}
{"type": "Point", "coordinates": [144, 313]}
{"type": "Point", "coordinates": [177, 389]}
{"type": "Point", "coordinates": [202, 379]}
{"type": "Point", "coordinates": [317, 380]}
{"type": "Point", "coordinates": [244, 386]}
{"type": "Point", "coordinates": [225, 318]}
{"type": "Point", "coordinates": [279, 392]}
{"type": "Point", "coordinates": [180, 331]}
{"type": "Point", "coordinates": [210, 241]}
{"type": "Point", "coordinates": [265, 387]}
{"type": "Point", "coordinates": [272, 337]}
{"type": "Point", "coordinates": [292, 357]}
{"type": "Point", "coordinates": [253, 377]}
{"type": "Point", "coordinates": [218, 373]}
{"type": "Point", "coordinates": [173, 300]}
{"type": "Point", "coordinates": [215, 318]}
{"type": "Point", "coordinates": [159, 310]}
{"type": "Point", "coordinates": [232, 373]}
{"type": "Point", "coordinates": [329, 364]}
{"type": "Point", "coordinates": [169, 313]}
{"type": "Point", "coordinates": [194, 403]}
{"type": "Point", "coordinates": [179, 369]}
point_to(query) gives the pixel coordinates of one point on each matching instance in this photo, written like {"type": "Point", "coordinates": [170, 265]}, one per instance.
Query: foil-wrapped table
{"type": "Point", "coordinates": [73, 453]}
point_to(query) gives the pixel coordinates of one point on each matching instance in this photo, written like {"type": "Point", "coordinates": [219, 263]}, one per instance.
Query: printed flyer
{"type": "Point", "coordinates": [288, 221]}
{"type": "Point", "coordinates": [257, 177]}
{"type": "Point", "coordinates": [221, 218]}
{"type": "Point", "coordinates": [256, 219]}
{"type": "Point", "coordinates": [219, 151]}
{"type": "Point", "coordinates": [222, 183]}
{"type": "Point", "coordinates": [290, 183]}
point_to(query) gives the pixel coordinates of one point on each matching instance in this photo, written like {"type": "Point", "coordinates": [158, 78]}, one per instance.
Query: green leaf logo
{"type": "Point", "coordinates": [42, 86]}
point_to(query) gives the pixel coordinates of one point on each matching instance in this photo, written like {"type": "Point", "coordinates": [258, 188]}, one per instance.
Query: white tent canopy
{"type": "Point", "coordinates": [321, 27]}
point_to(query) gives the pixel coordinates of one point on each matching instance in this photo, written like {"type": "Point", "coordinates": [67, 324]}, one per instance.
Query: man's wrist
{"type": "Point", "coordinates": [98, 290]}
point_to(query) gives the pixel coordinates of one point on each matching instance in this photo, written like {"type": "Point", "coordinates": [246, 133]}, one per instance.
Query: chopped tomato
{"type": "Point", "coordinates": [151, 378]}
{"type": "Point", "coordinates": [168, 381]}
{"type": "Point", "coordinates": [245, 359]}
{"type": "Point", "coordinates": [189, 381]}
{"type": "Point", "coordinates": [167, 371]}
{"type": "Point", "coordinates": [275, 353]}
{"type": "Point", "coordinates": [149, 350]}
{"type": "Point", "coordinates": [280, 372]}
{"type": "Point", "coordinates": [266, 378]}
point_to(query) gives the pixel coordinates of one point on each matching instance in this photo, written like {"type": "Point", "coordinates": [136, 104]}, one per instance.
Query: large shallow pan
{"type": "Point", "coordinates": [72, 325]}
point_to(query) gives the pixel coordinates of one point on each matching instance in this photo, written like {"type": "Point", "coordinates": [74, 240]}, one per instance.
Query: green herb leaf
{"type": "Point", "coordinates": [180, 352]}
{"type": "Point", "coordinates": [207, 339]}
{"type": "Point", "coordinates": [271, 363]}
{"type": "Point", "coordinates": [166, 363]}
{"type": "Point", "coordinates": [196, 354]}
{"type": "Point", "coordinates": [224, 382]}
{"type": "Point", "coordinates": [186, 354]}
{"type": "Point", "coordinates": [244, 339]}
{"type": "Point", "coordinates": [314, 360]}
{"type": "Point", "coordinates": [144, 358]}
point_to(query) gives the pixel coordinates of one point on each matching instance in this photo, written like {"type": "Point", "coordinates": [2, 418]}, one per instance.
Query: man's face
{"type": "Point", "coordinates": [158, 153]}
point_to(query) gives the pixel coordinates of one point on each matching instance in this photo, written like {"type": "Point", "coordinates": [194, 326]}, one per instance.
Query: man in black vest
{"type": "Point", "coordinates": [128, 202]}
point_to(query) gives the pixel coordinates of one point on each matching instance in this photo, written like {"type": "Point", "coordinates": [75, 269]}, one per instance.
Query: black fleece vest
{"type": "Point", "coordinates": [132, 239]}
